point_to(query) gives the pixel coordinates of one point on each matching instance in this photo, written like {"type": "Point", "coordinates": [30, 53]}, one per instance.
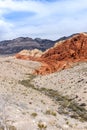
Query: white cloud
{"type": "Point", "coordinates": [51, 19]}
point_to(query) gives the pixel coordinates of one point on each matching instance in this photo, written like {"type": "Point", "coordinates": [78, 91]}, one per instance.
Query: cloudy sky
{"type": "Point", "coordinates": [42, 18]}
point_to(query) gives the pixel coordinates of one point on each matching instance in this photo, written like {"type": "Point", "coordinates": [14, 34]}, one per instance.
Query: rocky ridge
{"type": "Point", "coordinates": [63, 55]}
{"type": "Point", "coordinates": [22, 43]}
{"type": "Point", "coordinates": [9, 47]}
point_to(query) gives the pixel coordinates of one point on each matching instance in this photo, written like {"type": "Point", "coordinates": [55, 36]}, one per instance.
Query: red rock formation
{"type": "Point", "coordinates": [29, 54]}
{"type": "Point", "coordinates": [63, 55]}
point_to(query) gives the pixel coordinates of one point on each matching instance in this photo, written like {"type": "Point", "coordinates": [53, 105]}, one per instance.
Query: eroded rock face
{"type": "Point", "coordinates": [29, 54]}
{"type": "Point", "coordinates": [63, 55]}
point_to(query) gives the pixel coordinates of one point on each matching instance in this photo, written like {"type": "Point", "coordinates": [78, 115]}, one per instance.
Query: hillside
{"type": "Point", "coordinates": [52, 102]}
{"type": "Point", "coordinates": [62, 55]}
{"type": "Point", "coordinates": [52, 99]}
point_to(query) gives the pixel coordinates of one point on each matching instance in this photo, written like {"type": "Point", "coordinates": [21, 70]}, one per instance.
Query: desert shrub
{"type": "Point", "coordinates": [34, 114]}
{"type": "Point", "coordinates": [50, 112]}
{"type": "Point", "coordinates": [42, 125]}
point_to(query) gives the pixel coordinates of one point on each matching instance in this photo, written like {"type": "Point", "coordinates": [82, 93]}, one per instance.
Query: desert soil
{"type": "Point", "coordinates": [30, 106]}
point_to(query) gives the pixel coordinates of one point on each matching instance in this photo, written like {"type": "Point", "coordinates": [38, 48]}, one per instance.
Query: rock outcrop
{"type": "Point", "coordinates": [63, 54]}
{"type": "Point", "coordinates": [29, 54]}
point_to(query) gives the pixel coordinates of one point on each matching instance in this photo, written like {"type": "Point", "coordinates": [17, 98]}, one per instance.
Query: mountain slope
{"type": "Point", "coordinates": [52, 102]}
{"type": "Point", "coordinates": [63, 55]}
{"type": "Point", "coordinates": [21, 43]}
{"type": "Point", "coordinates": [18, 44]}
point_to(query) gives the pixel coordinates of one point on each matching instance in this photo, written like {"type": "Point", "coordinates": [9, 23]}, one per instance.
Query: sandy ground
{"type": "Point", "coordinates": [28, 109]}
{"type": "Point", "coordinates": [72, 82]}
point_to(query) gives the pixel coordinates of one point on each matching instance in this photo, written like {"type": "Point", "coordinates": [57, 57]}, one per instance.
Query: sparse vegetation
{"type": "Point", "coordinates": [34, 114]}
{"type": "Point", "coordinates": [27, 82]}
{"type": "Point", "coordinates": [67, 104]}
{"type": "Point", "coordinates": [50, 112]}
{"type": "Point", "coordinates": [12, 128]}
{"type": "Point", "coordinates": [42, 101]}
{"type": "Point", "coordinates": [42, 125]}
{"type": "Point", "coordinates": [8, 128]}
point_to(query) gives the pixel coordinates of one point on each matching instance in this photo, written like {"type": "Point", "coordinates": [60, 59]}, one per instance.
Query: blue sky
{"type": "Point", "coordinates": [49, 19]}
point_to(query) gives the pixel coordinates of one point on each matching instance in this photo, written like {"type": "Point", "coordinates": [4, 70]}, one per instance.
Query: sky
{"type": "Point", "coordinates": [48, 19]}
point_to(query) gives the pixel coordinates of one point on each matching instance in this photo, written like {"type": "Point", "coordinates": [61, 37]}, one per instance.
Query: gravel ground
{"type": "Point", "coordinates": [72, 82]}
{"type": "Point", "coordinates": [27, 108]}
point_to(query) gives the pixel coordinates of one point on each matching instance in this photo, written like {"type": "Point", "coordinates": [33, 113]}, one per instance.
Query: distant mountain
{"type": "Point", "coordinates": [16, 45]}
{"type": "Point", "coordinates": [21, 43]}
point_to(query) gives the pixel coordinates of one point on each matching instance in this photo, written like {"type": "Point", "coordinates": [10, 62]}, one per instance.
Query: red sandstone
{"type": "Point", "coordinates": [62, 56]}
